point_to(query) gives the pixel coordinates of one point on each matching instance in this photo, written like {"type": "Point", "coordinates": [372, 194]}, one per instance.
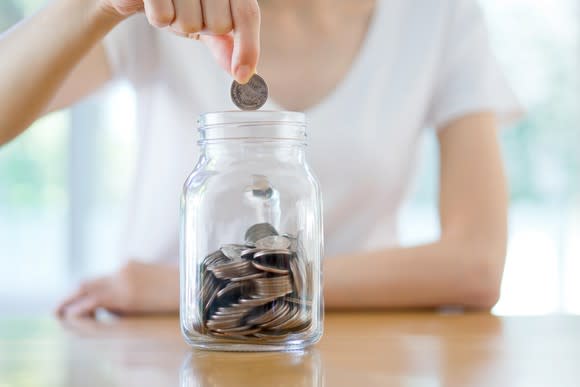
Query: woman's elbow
{"type": "Point", "coordinates": [482, 280]}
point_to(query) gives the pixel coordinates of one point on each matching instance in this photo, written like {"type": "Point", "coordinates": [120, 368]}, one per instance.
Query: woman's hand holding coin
{"type": "Point", "coordinates": [230, 28]}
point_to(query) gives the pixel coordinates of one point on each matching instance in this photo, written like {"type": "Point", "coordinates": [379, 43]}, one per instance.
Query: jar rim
{"type": "Point", "coordinates": [250, 117]}
{"type": "Point", "coordinates": [252, 125]}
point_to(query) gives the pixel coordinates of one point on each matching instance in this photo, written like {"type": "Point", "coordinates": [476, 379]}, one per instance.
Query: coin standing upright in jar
{"type": "Point", "coordinates": [250, 257]}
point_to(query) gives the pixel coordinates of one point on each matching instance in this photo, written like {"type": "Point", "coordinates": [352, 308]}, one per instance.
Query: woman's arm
{"type": "Point", "coordinates": [54, 58]}
{"type": "Point", "coordinates": [39, 54]}
{"type": "Point", "coordinates": [464, 267]}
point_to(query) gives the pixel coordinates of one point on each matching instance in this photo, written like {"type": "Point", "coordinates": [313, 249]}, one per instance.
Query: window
{"type": "Point", "coordinates": [537, 43]}
{"type": "Point", "coordinates": [61, 207]}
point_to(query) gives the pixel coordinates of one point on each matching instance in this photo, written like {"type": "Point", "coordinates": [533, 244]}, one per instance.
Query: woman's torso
{"type": "Point", "coordinates": [363, 133]}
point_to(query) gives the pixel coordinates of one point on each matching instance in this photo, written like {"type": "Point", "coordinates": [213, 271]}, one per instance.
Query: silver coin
{"type": "Point", "coordinates": [232, 251]}
{"type": "Point", "coordinates": [298, 274]}
{"type": "Point", "coordinates": [266, 253]}
{"type": "Point", "coordinates": [249, 253]}
{"type": "Point", "coordinates": [215, 258]}
{"type": "Point", "coordinates": [248, 277]}
{"type": "Point", "coordinates": [260, 188]}
{"type": "Point", "coordinates": [273, 242]}
{"type": "Point", "coordinates": [219, 335]}
{"type": "Point", "coordinates": [223, 324]}
{"type": "Point", "coordinates": [259, 231]}
{"type": "Point", "coordinates": [256, 301]}
{"type": "Point", "coordinates": [237, 328]}
{"type": "Point", "coordinates": [272, 336]}
{"type": "Point", "coordinates": [304, 327]}
{"type": "Point", "coordinates": [293, 319]}
{"type": "Point", "coordinates": [232, 286]}
{"type": "Point", "coordinates": [279, 320]}
{"type": "Point", "coordinates": [250, 96]}
{"type": "Point", "coordinates": [298, 301]}
{"type": "Point", "coordinates": [210, 300]}
{"type": "Point", "coordinates": [241, 335]}
{"type": "Point", "coordinates": [269, 269]}
{"type": "Point", "coordinates": [272, 287]}
{"type": "Point", "coordinates": [258, 290]}
{"type": "Point", "coordinates": [234, 270]}
{"type": "Point", "coordinates": [208, 287]}
{"type": "Point", "coordinates": [229, 316]}
{"type": "Point", "coordinates": [273, 313]}
{"type": "Point", "coordinates": [234, 309]}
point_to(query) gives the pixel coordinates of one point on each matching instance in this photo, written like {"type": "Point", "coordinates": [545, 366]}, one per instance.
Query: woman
{"type": "Point", "coordinates": [370, 74]}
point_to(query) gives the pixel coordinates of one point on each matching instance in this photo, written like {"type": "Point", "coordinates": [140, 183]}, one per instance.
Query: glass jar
{"type": "Point", "coordinates": [251, 236]}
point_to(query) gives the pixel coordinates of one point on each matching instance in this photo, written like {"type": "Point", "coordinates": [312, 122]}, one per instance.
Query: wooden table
{"type": "Point", "coordinates": [382, 349]}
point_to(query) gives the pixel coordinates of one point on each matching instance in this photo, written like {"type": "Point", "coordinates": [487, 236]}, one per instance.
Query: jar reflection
{"type": "Point", "coordinates": [203, 368]}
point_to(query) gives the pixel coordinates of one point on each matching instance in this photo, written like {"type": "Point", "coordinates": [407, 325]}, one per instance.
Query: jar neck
{"type": "Point", "coordinates": [287, 151]}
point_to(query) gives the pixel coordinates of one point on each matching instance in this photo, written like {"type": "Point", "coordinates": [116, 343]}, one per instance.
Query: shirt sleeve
{"type": "Point", "coordinates": [131, 50]}
{"type": "Point", "coordinates": [469, 78]}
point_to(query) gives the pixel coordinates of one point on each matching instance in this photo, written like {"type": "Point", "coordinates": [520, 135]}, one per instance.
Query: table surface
{"type": "Point", "coordinates": [358, 349]}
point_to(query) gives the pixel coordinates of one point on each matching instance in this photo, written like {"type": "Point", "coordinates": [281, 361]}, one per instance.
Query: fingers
{"type": "Point", "coordinates": [160, 13]}
{"type": "Point", "coordinates": [217, 17]}
{"type": "Point", "coordinates": [71, 298]}
{"type": "Point", "coordinates": [74, 297]}
{"type": "Point", "coordinates": [246, 20]}
{"type": "Point", "coordinates": [84, 301]}
{"type": "Point", "coordinates": [188, 17]}
{"type": "Point", "coordinates": [221, 48]}
{"type": "Point", "coordinates": [85, 307]}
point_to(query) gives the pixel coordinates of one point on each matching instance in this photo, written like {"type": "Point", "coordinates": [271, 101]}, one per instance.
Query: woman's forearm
{"type": "Point", "coordinates": [437, 274]}
{"type": "Point", "coordinates": [465, 267]}
{"type": "Point", "coordinates": [38, 54]}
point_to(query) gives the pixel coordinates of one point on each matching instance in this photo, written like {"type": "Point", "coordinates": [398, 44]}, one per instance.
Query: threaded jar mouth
{"type": "Point", "coordinates": [252, 125]}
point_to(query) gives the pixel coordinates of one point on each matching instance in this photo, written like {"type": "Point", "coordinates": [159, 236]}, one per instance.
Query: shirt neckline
{"type": "Point", "coordinates": [350, 77]}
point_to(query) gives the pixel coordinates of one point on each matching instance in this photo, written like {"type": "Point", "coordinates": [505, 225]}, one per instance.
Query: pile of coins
{"type": "Point", "coordinates": [250, 96]}
{"type": "Point", "coordinates": [259, 289]}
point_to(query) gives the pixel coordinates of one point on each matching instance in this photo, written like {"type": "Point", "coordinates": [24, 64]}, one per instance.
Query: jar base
{"type": "Point", "coordinates": [225, 346]}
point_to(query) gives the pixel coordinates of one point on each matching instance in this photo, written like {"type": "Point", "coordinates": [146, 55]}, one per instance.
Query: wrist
{"type": "Point", "coordinates": [100, 14]}
{"type": "Point", "coordinates": [106, 12]}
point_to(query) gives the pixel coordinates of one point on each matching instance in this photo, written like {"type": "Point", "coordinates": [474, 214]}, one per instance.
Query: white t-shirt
{"type": "Point", "coordinates": [422, 64]}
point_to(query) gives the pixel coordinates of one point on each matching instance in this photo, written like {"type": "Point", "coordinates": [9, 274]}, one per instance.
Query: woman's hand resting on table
{"type": "Point", "coordinates": [137, 288]}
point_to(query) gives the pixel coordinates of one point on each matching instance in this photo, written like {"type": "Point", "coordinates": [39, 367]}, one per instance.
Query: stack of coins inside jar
{"type": "Point", "coordinates": [258, 289]}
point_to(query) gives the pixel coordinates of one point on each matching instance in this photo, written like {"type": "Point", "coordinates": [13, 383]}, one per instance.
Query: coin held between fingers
{"type": "Point", "coordinates": [250, 96]}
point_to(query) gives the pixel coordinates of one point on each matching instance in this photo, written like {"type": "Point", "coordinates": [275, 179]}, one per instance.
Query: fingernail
{"type": "Point", "coordinates": [243, 74]}
{"type": "Point", "coordinates": [195, 36]}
